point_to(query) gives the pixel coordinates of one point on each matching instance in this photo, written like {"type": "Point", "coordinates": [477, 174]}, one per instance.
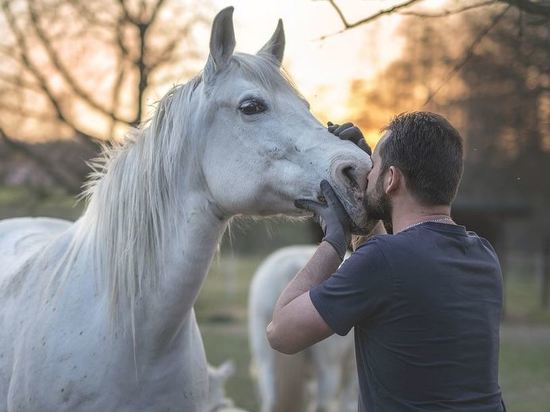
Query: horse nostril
{"type": "Point", "coordinates": [350, 177]}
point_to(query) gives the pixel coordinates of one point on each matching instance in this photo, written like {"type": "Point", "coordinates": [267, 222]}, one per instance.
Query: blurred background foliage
{"type": "Point", "coordinates": [77, 74]}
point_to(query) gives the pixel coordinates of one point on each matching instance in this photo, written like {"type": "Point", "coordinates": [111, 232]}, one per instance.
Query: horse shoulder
{"type": "Point", "coordinates": [21, 240]}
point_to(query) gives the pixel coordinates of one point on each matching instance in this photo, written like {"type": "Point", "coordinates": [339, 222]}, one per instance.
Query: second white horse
{"type": "Point", "coordinates": [282, 379]}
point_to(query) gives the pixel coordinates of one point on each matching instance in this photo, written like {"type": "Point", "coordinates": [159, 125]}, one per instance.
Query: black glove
{"type": "Point", "coordinates": [348, 131]}
{"type": "Point", "coordinates": [332, 217]}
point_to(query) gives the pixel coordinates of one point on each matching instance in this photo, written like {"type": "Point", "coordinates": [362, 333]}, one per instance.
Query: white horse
{"type": "Point", "coordinates": [282, 378]}
{"type": "Point", "coordinates": [97, 315]}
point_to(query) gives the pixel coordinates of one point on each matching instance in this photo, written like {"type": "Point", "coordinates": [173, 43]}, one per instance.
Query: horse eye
{"type": "Point", "coordinates": [252, 107]}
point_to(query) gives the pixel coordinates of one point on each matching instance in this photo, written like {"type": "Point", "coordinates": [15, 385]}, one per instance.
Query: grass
{"type": "Point", "coordinates": [525, 367]}
{"type": "Point", "coordinates": [522, 291]}
{"type": "Point", "coordinates": [222, 316]}
{"type": "Point", "coordinates": [22, 201]}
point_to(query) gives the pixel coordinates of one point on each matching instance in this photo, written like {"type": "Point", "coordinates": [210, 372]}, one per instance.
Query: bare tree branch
{"type": "Point", "coordinates": [64, 72]}
{"type": "Point", "coordinates": [127, 14]}
{"type": "Point", "coordinates": [90, 16]}
{"type": "Point", "coordinates": [468, 53]}
{"type": "Point", "coordinates": [18, 81]}
{"type": "Point", "coordinates": [155, 11]}
{"type": "Point", "coordinates": [139, 36]}
{"type": "Point", "coordinates": [6, 107]}
{"type": "Point", "coordinates": [116, 93]}
{"type": "Point", "coordinates": [167, 54]}
{"type": "Point", "coordinates": [447, 13]}
{"type": "Point", "coordinates": [24, 57]}
{"type": "Point", "coordinates": [541, 8]}
{"type": "Point", "coordinates": [348, 25]}
{"type": "Point", "coordinates": [120, 39]}
{"type": "Point", "coordinates": [143, 72]}
{"type": "Point", "coordinates": [43, 83]}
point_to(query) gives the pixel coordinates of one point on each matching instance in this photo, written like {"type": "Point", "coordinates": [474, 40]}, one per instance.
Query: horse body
{"type": "Point", "coordinates": [86, 365]}
{"type": "Point", "coordinates": [98, 314]}
{"type": "Point", "coordinates": [282, 378]}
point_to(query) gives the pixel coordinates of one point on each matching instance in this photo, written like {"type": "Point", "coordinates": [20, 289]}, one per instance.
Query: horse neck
{"type": "Point", "coordinates": [186, 263]}
{"type": "Point", "coordinates": [152, 240]}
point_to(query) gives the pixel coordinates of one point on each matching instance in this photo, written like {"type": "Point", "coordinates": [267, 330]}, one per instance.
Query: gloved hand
{"type": "Point", "coordinates": [332, 217]}
{"type": "Point", "coordinates": [348, 131]}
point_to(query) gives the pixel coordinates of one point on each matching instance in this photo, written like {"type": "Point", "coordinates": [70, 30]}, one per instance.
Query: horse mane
{"type": "Point", "coordinates": [132, 197]}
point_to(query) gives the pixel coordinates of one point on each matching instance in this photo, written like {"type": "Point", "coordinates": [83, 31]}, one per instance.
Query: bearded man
{"type": "Point", "coordinates": [425, 301]}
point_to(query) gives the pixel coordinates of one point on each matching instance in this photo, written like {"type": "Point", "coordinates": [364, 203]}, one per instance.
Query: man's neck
{"type": "Point", "coordinates": [410, 214]}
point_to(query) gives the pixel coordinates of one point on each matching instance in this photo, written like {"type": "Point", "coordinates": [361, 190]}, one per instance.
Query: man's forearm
{"type": "Point", "coordinates": [322, 264]}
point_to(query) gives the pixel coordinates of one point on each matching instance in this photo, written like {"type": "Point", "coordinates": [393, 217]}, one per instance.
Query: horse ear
{"type": "Point", "coordinates": [222, 41]}
{"type": "Point", "coordinates": [275, 46]}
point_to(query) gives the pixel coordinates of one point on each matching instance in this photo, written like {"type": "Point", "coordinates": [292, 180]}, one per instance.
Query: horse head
{"type": "Point", "coordinates": [262, 146]}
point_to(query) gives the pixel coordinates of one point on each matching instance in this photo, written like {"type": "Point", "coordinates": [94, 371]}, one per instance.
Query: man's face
{"type": "Point", "coordinates": [378, 204]}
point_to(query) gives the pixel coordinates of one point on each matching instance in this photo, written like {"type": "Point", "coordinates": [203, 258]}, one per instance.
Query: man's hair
{"type": "Point", "coordinates": [428, 151]}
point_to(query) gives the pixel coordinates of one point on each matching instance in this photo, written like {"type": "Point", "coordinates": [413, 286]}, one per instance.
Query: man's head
{"type": "Point", "coordinates": [420, 154]}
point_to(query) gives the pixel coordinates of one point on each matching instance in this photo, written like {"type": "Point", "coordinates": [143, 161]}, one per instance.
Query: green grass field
{"type": "Point", "coordinates": [221, 312]}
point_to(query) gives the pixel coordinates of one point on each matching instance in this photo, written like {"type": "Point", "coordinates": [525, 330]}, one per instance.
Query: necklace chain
{"type": "Point", "coordinates": [441, 220]}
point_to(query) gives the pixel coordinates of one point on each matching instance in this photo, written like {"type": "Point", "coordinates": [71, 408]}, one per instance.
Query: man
{"type": "Point", "coordinates": [425, 302]}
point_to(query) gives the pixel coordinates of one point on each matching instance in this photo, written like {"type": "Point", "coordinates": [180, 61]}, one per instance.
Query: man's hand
{"type": "Point", "coordinates": [332, 217]}
{"type": "Point", "coordinates": [348, 131]}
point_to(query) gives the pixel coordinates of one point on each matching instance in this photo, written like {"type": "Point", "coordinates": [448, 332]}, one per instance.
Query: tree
{"type": "Point", "coordinates": [86, 68]}
{"type": "Point", "coordinates": [538, 14]}
{"type": "Point", "coordinates": [506, 108]}
{"type": "Point", "coordinates": [499, 97]}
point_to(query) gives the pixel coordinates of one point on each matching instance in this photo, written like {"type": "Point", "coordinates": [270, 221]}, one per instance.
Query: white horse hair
{"type": "Point", "coordinates": [97, 315]}
{"type": "Point", "coordinates": [282, 380]}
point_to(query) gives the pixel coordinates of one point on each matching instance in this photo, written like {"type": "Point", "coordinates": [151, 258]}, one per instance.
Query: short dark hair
{"type": "Point", "coordinates": [428, 151]}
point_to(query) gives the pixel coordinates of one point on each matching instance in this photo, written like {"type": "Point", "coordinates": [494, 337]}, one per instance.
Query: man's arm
{"type": "Point", "coordinates": [296, 322]}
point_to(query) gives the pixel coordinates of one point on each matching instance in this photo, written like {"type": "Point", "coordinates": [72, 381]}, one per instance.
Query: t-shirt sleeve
{"type": "Point", "coordinates": [358, 290]}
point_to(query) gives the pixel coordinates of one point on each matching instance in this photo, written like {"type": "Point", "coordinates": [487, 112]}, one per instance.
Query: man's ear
{"type": "Point", "coordinates": [393, 179]}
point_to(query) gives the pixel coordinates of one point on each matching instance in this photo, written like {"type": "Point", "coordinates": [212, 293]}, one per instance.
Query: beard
{"type": "Point", "coordinates": [378, 204]}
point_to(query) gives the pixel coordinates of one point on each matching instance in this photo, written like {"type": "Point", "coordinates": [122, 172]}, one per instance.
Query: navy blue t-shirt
{"type": "Point", "coordinates": [425, 305]}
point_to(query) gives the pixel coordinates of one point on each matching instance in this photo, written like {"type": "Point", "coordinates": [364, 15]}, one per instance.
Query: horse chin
{"type": "Point", "coordinates": [354, 203]}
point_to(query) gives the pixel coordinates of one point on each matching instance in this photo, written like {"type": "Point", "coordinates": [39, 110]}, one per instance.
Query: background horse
{"type": "Point", "coordinates": [97, 315]}
{"type": "Point", "coordinates": [217, 399]}
{"type": "Point", "coordinates": [283, 379]}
